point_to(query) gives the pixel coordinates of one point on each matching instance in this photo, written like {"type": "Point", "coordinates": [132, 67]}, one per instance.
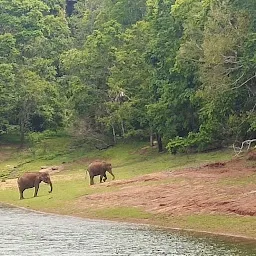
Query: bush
{"type": "Point", "coordinates": [194, 142]}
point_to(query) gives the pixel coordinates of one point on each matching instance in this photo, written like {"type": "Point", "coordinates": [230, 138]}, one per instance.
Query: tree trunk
{"type": "Point", "coordinates": [23, 120]}
{"type": "Point", "coordinates": [22, 133]}
{"type": "Point", "coordinates": [114, 133]}
{"type": "Point", "coordinates": [159, 143]}
{"type": "Point", "coordinates": [122, 125]}
{"type": "Point", "coordinates": [151, 139]}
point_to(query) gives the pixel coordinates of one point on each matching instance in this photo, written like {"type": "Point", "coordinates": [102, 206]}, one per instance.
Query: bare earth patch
{"type": "Point", "coordinates": [12, 183]}
{"type": "Point", "coordinates": [223, 188]}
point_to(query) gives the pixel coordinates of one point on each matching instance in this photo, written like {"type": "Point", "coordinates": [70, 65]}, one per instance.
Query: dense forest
{"type": "Point", "coordinates": [180, 72]}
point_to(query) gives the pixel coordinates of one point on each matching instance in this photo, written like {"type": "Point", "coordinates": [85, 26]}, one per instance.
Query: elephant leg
{"type": "Point", "coordinates": [36, 190]}
{"type": "Point", "coordinates": [105, 177]}
{"type": "Point", "coordinates": [21, 193]}
{"type": "Point", "coordinates": [101, 177]}
{"type": "Point", "coordinates": [91, 180]}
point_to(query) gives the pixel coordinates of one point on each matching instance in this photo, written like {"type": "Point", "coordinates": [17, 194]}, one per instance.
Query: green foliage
{"type": "Point", "coordinates": [182, 71]}
{"type": "Point", "coordinates": [194, 142]}
{"type": "Point", "coordinates": [128, 82]}
{"type": "Point", "coordinates": [129, 159]}
{"type": "Point", "coordinates": [31, 41]}
{"type": "Point", "coordinates": [35, 137]}
{"type": "Point", "coordinates": [130, 68]}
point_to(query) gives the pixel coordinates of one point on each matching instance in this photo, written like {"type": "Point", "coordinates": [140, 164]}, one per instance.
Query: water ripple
{"type": "Point", "coordinates": [26, 233]}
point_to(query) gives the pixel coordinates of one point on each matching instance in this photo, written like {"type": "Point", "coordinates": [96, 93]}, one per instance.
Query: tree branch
{"type": "Point", "coordinates": [239, 86]}
{"type": "Point", "coordinates": [238, 150]}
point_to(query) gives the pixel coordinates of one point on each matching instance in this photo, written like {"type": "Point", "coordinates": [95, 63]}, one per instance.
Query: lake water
{"type": "Point", "coordinates": [28, 233]}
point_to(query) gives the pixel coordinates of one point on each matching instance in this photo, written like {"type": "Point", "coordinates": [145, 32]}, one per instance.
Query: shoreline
{"type": "Point", "coordinates": [217, 199]}
{"type": "Point", "coordinates": [137, 222]}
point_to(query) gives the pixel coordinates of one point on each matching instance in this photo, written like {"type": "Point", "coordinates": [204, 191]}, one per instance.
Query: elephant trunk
{"type": "Point", "coordinates": [50, 183]}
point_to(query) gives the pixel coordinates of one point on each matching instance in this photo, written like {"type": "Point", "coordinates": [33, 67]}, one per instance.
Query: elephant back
{"type": "Point", "coordinates": [98, 167]}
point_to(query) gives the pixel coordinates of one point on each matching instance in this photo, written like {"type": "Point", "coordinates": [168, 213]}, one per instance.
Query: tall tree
{"type": "Point", "coordinates": [227, 72]}
{"type": "Point", "coordinates": [129, 83]}
{"type": "Point", "coordinates": [89, 69]}
{"type": "Point", "coordinates": [31, 40]}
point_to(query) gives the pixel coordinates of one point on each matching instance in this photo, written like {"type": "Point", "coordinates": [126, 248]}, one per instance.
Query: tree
{"type": "Point", "coordinates": [224, 70]}
{"type": "Point", "coordinates": [31, 40]}
{"type": "Point", "coordinates": [89, 69]}
{"type": "Point", "coordinates": [227, 72]}
{"type": "Point", "coordinates": [129, 83]}
{"type": "Point", "coordinates": [172, 110]}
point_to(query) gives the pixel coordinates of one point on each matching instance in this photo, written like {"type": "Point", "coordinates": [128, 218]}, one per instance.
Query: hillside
{"type": "Point", "coordinates": [189, 192]}
{"type": "Point", "coordinates": [218, 188]}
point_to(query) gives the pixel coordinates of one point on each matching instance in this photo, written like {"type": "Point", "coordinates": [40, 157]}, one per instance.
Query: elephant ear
{"type": "Point", "coordinates": [109, 166]}
{"type": "Point", "coordinates": [43, 176]}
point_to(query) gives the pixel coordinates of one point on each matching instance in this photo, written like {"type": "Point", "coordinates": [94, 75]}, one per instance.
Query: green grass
{"type": "Point", "coordinates": [129, 160]}
{"type": "Point", "coordinates": [228, 224]}
{"type": "Point", "coordinates": [66, 188]}
{"type": "Point", "coordinates": [121, 213]}
{"type": "Point", "coordinates": [48, 152]}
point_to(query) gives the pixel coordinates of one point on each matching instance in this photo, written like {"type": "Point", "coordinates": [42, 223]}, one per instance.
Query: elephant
{"type": "Point", "coordinates": [33, 179]}
{"type": "Point", "coordinates": [99, 168]}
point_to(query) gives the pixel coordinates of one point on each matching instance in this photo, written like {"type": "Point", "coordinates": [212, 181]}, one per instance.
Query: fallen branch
{"type": "Point", "coordinates": [238, 150]}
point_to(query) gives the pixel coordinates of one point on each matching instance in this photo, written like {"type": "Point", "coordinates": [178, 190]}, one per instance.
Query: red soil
{"type": "Point", "coordinates": [223, 188]}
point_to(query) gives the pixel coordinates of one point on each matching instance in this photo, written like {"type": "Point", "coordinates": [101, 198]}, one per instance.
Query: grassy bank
{"type": "Point", "coordinates": [129, 160]}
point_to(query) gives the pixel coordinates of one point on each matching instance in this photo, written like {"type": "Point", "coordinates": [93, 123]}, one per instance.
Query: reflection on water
{"type": "Point", "coordinates": [29, 233]}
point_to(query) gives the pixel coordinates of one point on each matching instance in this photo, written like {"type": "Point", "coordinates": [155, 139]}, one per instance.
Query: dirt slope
{"type": "Point", "coordinates": [227, 188]}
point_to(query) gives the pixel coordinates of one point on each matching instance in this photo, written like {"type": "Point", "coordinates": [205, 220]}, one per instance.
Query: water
{"type": "Point", "coordinates": [29, 233]}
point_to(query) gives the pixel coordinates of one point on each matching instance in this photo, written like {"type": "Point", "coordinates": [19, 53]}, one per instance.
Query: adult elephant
{"type": "Point", "coordinates": [99, 168]}
{"type": "Point", "coordinates": [33, 179]}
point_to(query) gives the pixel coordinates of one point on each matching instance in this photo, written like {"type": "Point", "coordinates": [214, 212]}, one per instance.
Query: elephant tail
{"type": "Point", "coordinates": [86, 173]}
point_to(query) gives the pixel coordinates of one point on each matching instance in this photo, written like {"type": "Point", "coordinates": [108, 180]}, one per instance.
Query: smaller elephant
{"type": "Point", "coordinates": [33, 179]}
{"type": "Point", "coordinates": [99, 168]}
